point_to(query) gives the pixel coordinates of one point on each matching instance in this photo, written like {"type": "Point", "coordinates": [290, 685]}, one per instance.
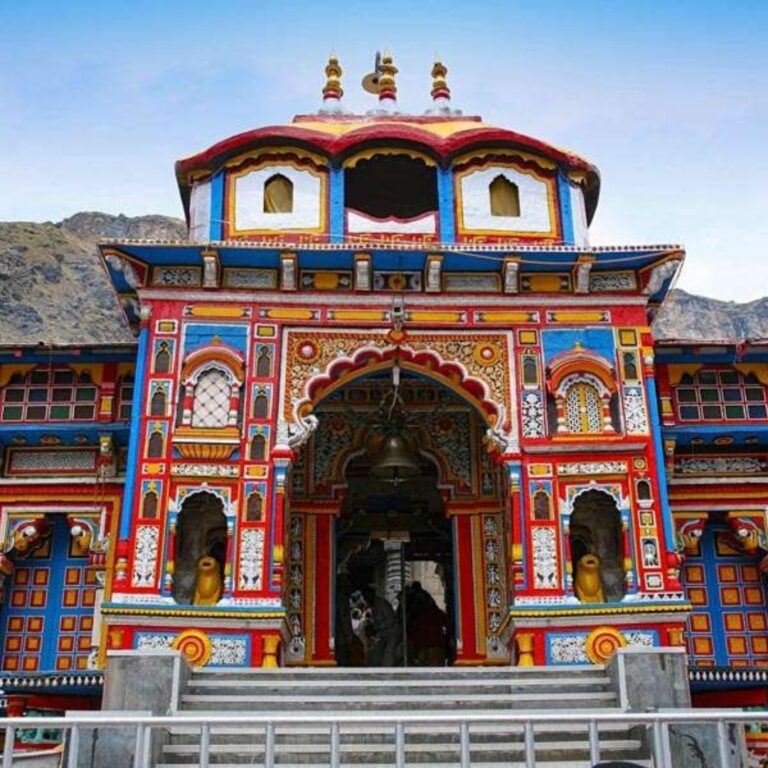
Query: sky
{"type": "Point", "coordinates": [668, 99]}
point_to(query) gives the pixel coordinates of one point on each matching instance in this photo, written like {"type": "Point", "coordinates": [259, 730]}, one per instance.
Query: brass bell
{"type": "Point", "coordinates": [396, 462]}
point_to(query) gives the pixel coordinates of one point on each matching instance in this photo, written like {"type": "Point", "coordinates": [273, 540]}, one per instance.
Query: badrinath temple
{"type": "Point", "coordinates": [386, 406]}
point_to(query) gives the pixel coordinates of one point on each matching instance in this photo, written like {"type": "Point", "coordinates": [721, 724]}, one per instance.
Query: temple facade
{"type": "Point", "coordinates": [387, 405]}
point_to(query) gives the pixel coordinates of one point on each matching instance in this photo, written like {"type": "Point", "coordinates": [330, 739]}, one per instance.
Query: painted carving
{"type": "Point", "coordinates": [532, 415]}
{"type": "Point", "coordinates": [634, 411]}
{"type": "Point", "coordinates": [251, 558]}
{"type": "Point", "coordinates": [145, 556]}
{"type": "Point", "coordinates": [544, 558]}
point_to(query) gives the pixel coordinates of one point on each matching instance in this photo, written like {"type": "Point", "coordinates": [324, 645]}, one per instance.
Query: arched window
{"type": "Point", "coordinates": [258, 447]}
{"type": "Point", "coordinates": [149, 506]}
{"type": "Point", "coordinates": [261, 405]}
{"type": "Point", "coordinates": [253, 508]}
{"type": "Point", "coordinates": [278, 194]}
{"type": "Point", "coordinates": [630, 365]}
{"type": "Point", "coordinates": [46, 394]}
{"type": "Point", "coordinates": [643, 490]}
{"type": "Point", "coordinates": [505, 197]}
{"type": "Point", "coordinates": [162, 359]}
{"type": "Point", "coordinates": [583, 409]}
{"type": "Point", "coordinates": [530, 370]}
{"type": "Point", "coordinates": [211, 399]}
{"type": "Point", "coordinates": [541, 506]}
{"type": "Point", "coordinates": [155, 446]}
{"type": "Point", "coordinates": [264, 362]}
{"type": "Point", "coordinates": [157, 404]}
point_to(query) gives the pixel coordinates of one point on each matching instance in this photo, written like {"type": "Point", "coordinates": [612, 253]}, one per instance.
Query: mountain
{"type": "Point", "coordinates": [55, 291]}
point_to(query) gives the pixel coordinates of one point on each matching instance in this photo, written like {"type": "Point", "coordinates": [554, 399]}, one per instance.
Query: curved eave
{"type": "Point", "coordinates": [337, 146]}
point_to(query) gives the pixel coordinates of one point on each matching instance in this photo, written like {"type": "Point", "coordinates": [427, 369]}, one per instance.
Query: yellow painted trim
{"type": "Point", "coordinates": [434, 316]}
{"type": "Point", "coordinates": [7, 371]}
{"type": "Point", "coordinates": [676, 371]}
{"type": "Point", "coordinates": [285, 151]}
{"type": "Point", "coordinates": [367, 154]}
{"type": "Point", "coordinates": [533, 613]}
{"type": "Point", "coordinates": [542, 162]}
{"type": "Point", "coordinates": [218, 311]}
{"type": "Point", "coordinates": [371, 315]}
{"type": "Point", "coordinates": [144, 611]}
{"type": "Point", "coordinates": [505, 317]}
{"type": "Point", "coordinates": [566, 316]}
{"type": "Point", "coordinates": [276, 313]}
{"type": "Point", "coordinates": [708, 495]}
{"type": "Point", "coordinates": [760, 370]}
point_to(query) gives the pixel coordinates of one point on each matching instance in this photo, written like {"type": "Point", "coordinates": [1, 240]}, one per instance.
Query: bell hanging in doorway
{"type": "Point", "coordinates": [396, 462]}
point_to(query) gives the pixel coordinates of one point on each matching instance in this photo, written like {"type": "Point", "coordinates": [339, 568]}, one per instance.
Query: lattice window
{"type": "Point", "coordinates": [49, 395]}
{"type": "Point", "coordinates": [211, 400]}
{"type": "Point", "coordinates": [583, 409]}
{"type": "Point", "coordinates": [530, 370]}
{"type": "Point", "coordinates": [721, 395]}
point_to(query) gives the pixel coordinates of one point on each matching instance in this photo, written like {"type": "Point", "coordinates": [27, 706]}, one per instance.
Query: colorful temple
{"type": "Point", "coordinates": [386, 379]}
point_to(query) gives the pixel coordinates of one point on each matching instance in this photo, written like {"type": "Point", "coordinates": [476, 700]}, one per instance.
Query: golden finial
{"type": "Point", "coordinates": [333, 72]}
{"type": "Point", "coordinates": [387, 72]}
{"type": "Point", "coordinates": [440, 89]}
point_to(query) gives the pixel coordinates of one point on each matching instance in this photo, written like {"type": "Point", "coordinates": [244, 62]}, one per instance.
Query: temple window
{"type": "Point", "coordinates": [212, 399]}
{"type": "Point", "coordinates": [155, 446]}
{"type": "Point", "coordinates": [504, 196]}
{"type": "Point", "coordinates": [49, 395]}
{"type": "Point", "coordinates": [643, 490]}
{"type": "Point", "coordinates": [583, 409]}
{"type": "Point", "coordinates": [258, 447]}
{"type": "Point", "coordinates": [261, 405]}
{"type": "Point", "coordinates": [630, 365]}
{"type": "Point", "coordinates": [253, 507]}
{"type": "Point", "coordinates": [125, 398]}
{"type": "Point", "coordinates": [717, 395]}
{"type": "Point", "coordinates": [162, 359]}
{"type": "Point", "coordinates": [541, 506]}
{"type": "Point", "coordinates": [278, 194]}
{"type": "Point", "coordinates": [157, 403]}
{"type": "Point", "coordinates": [530, 370]}
{"type": "Point", "coordinates": [264, 362]}
{"type": "Point", "coordinates": [149, 506]}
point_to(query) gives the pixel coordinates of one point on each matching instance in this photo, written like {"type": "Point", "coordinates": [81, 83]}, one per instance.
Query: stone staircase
{"type": "Point", "coordinates": [390, 692]}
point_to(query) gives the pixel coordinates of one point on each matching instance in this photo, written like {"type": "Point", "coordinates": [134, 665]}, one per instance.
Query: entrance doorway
{"type": "Point", "coordinates": [394, 573]}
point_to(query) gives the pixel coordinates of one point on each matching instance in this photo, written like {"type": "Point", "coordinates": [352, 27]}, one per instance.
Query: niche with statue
{"type": "Point", "coordinates": [201, 548]}
{"type": "Point", "coordinates": [597, 555]}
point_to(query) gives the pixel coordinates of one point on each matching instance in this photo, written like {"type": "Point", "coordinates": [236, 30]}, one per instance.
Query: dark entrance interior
{"type": "Point", "coordinates": [389, 536]}
{"type": "Point", "coordinates": [391, 185]}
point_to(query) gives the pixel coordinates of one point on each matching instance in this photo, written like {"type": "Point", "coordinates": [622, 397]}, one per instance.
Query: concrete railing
{"type": "Point", "coordinates": [657, 724]}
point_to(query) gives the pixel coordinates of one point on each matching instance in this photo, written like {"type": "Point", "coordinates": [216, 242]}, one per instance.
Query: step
{"type": "Point", "coordinates": [383, 702]}
{"type": "Point", "coordinates": [540, 763]}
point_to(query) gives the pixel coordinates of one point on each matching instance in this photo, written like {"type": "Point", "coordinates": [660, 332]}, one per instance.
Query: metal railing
{"type": "Point", "coordinates": [657, 725]}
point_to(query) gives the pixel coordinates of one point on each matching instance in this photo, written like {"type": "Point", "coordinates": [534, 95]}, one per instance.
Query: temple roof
{"type": "Point", "coordinates": [442, 137]}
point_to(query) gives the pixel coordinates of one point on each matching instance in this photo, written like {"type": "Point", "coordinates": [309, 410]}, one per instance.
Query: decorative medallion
{"type": "Point", "coordinates": [306, 352]}
{"type": "Point", "coordinates": [602, 642]}
{"type": "Point", "coordinates": [195, 645]}
{"type": "Point", "coordinates": [487, 354]}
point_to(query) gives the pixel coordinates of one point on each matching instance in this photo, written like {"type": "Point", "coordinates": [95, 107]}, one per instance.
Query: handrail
{"type": "Point", "coordinates": [659, 723]}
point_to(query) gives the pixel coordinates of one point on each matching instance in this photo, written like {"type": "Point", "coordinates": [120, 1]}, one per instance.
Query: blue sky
{"type": "Point", "coordinates": [669, 99]}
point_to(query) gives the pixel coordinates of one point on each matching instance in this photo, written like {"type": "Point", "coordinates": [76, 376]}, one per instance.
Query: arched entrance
{"type": "Point", "coordinates": [386, 569]}
{"type": "Point", "coordinates": [201, 547]}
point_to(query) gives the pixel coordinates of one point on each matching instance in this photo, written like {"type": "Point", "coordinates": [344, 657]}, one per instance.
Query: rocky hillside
{"type": "Point", "coordinates": [53, 287]}
{"type": "Point", "coordinates": [54, 290]}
